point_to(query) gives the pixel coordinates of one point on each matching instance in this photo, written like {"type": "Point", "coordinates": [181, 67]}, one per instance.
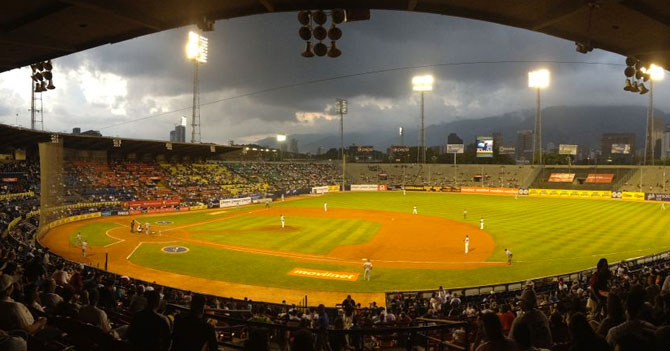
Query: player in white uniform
{"type": "Point", "coordinates": [465, 214]}
{"type": "Point", "coordinates": [281, 219]}
{"type": "Point", "coordinates": [481, 223]}
{"type": "Point", "coordinates": [509, 256]}
{"type": "Point", "coordinates": [132, 226]}
{"type": "Point", "coordinates": [84, 246]}
{"type": "Point", "coordinates": [282, 197]}
{"type": "Point", "coordinates": [403, 191]}
{"type": "Point", "coordinates": [467, 244]}
{"type": "Point", "coordinates": [414, 210]}
{"type": "Point", "coordinates": [367, 267]}
{"type": "Point", "coordinates": [79, 241]}
{"type": "Point", "coordinates": [325, 207]}
{"type": "Point", "coordinates": [516, 196]}
{"type": "Point", "coordinates": [147, 227]}
{"type": "Point", "coordinates": [662, 205]}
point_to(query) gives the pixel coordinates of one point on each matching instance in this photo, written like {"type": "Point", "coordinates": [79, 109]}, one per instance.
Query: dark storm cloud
{"type": "Point", "coordinates": [256, 53]}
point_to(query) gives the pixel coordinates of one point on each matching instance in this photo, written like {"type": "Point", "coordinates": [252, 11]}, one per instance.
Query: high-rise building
{"type": "Point", "coordinates": [524, 145]}
{"type": "Point", "coordinates": [293, 146]}
{"type": "Point", "coordinates": [497, 140]}
{"type": "Point", "coordinates": [665, 143]}
{"type": "Point", "coordinates": [178, 135]}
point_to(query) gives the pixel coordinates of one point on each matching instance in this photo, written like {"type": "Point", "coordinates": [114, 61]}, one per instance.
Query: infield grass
{"type": "Point", "coordinates": [547, 236]}
{"type": "Point", "coordinates": [94, 234]}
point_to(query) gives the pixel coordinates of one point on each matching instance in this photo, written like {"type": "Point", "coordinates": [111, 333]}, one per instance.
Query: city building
{"type": "Point", "coordinates": [524, 146]}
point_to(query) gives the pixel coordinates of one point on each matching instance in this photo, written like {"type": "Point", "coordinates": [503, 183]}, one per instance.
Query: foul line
{"type": "Point", "coordinates": [135, 249]}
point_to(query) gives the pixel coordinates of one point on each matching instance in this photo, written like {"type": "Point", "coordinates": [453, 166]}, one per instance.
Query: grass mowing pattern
{"type": "Point", "coordinates": [548, 236]}
{"type": "Point", "coordinates": [94, 234]}
{"type": "Point", "coordinates": [311, 235]}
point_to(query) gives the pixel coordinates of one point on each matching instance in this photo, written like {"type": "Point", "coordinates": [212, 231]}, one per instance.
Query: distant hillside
{"type": "Point", "coordinates": [582, 125]}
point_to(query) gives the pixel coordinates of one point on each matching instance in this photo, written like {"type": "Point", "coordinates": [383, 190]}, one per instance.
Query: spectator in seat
{"type": "Point", "coordinates": [643, 330]}
{"type": "Point", "coordinates": [522, 338]}
{"type": "Point", "coordinates": [49, 297]}
{"type": "Point", "coordinates": [60, 276]}
{"type": "Point", "coordinates": [68, 307]}
{"type": "Point", "coordinates": [108, 296]}
{"type": "Point", "coordinates": [302, 341]}
{"type": "Point", "coordinates": [540, 334]}
{"type": "Point", "coordinates": [15, 315]}
{"type": "Point", "coordinates": [191, 330]}
{"type": "Point", "coordinates": [138, 301]}
{"type": "Point", "coordinates": [258, 340]}
{"type": "Point", "coordinates": [150, 330]}
{"type": "Point", "coordinates": [615, 315]}
{"type": "Point", "coordinates": [583, 337]}
{"type": "Point", "coordinates": [494, 340]}
{"type": "Point", "coordinates": [91, 314]}
{"type": "Point", "coordinates": [11, 343]}
{"type": "Point", "coordinates": [506, 317]}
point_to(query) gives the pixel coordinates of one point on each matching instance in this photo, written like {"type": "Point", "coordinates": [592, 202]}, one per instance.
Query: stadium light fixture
{"type": "Point", "coordinates": [539, 79]}
{"type": "Point", "coordinates": [197, 47]}
{"type": "Point", "coordinates": [655, 72]}
{"type": "Point", "coordinates": [281, 137]}
{"type": "Point", "coordinates": [422, 84]}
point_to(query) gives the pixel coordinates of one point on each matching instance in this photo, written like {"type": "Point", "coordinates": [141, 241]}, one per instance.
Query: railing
{"type": "Point", "coordinates": [426, 333]}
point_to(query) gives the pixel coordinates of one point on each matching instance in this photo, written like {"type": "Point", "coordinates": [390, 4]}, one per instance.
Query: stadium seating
{"type": "Point", "coordinates": [237, 322]}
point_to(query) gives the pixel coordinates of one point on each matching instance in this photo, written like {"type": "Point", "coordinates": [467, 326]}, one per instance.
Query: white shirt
{"type": "Point", "coordinates": [367, 266]}
{"type": "Point", "coordinates": [467, 240]}
{"type": "Point", "coordinates": [281, 218]}
{"type": "Point", "coordinates": [84, 245]}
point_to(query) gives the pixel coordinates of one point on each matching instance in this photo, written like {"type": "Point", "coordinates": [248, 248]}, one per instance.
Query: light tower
{"type": "Point", "coordinates": [656, 73]}
{"type": "Point", "coordinates": [422, 84]}
{"type": "Point", "coordinates": [538, 80]}
{"type": "Point", "coordinates": [342, 109]}
{"type": "Point", "coordinates": [196, 51]}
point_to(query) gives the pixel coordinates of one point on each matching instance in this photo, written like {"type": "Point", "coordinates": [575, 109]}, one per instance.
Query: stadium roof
{"type": "Point", "coordinates": [16, 136]}
{"type": "Point", "coordinates": [36, 30]}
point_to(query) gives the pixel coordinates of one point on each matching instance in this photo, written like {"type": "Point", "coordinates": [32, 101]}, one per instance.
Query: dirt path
{"type": "Point", "coordinates": [403, 241]}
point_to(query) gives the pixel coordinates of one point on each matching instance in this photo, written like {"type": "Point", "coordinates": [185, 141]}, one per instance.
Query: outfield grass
{"type": "Point", "coordinates": [94, 234]}
{"type": "Point", "coordinates": [548, 236]}
{"type": "Point", "coordinates": [303, 234]}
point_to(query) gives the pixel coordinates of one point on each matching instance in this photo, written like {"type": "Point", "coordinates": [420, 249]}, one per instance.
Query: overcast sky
{"type": "Point", "coordinates": [118, 88]}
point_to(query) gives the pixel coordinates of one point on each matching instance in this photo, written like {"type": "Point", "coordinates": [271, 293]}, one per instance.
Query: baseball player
{"type": "Point", "coordinates": [481, 223]}
{"type": "Point", "coordinates": [663, 206]}
{"type": "Point", "coordinates": [84, 246]}
{"type": "Point", "coordinates": [467, 244]}
{"type": "Point", "coordinates": [282, 197]}
{"type": "Point", "coordinates": [509, 256]}
{"type": "Point", "coordinates": [414, 210]}
{"type": "Point", "coordinates": [281, 218]}
{"type": "Point", "coordinates": [79, 241]}
{"type": "Point", "coordinates": [139, 228]}
{"type": "Point", "coordinates": [516, 196]}
{"type": "Point", "coordinates": [403, 191]}
{"type": "Point", "coordinates": [132, 226]}
{"type": "Point", "coordinates": [465, 214]}
{"type": "Point", "coordinates": [367, 267]}
{"type": "Point", "coordinates": [147, 227]}
{"type": "Point", "coordinates": [325, 207]}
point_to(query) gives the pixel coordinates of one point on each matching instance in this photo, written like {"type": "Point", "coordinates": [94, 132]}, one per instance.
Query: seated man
{"type": "Point", "coordinates": [91, 314]}
{"type": "Point", "coordinates": [150, 330]}
{"type": "Point", "coordinates": [15, 315]}
{"type": "Point", "coordinates": [191, 330]}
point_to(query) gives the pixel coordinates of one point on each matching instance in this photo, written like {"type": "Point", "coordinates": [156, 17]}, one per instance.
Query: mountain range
{"type": "Point", "coordinates": [581, 125]}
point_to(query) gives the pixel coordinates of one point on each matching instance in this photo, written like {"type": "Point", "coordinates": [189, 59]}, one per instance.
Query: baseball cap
{"type": "Point", "coordinates": [6, 281]}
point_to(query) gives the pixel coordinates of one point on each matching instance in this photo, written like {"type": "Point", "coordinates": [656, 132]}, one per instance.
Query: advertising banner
{"type": "Point", "coordinates": [122, 213]}
{"type": "Point", "coordinates": [365, 148]}
{"type": "Point", "coordinates": [484, 147]}
{"type": "Point", "coordinates": [151, 203]}
{"type": "Point", "coordinates": [234, 202]}
{"type": "Point", "coordinates": [599, 178]}
{"type": "Point", "coordinates": [10, 180]}
{"type": "Point", "coordinates": [562, 177]}
{"type": "Point", "coordinates": [332, 188]}
{"type": "Point", "coordinates": [364, 187]}
{"type": "Point", "coordinates": [567, 149]}
{"type": "Point", "coordinates": [506, 150]}
{"type": "Point", "coordinates": [320, 189]}
{"type": "Point", "coordinates": [199, 207]}
{"type": "Point", "coordinates": [656, 197]}
{"type": "Point", "coordinates": [620, 149]}
{"type": "Point", "coordinates": [503, 191]}
{"type": "Point", "coordinates": [398, 149]}
{"type": "Point", "coordinates": [593, 194]}
{"type": "Point", "coordinates": [382, 187]}
{"type": "Point", "coordinates": [632, 195]}
{"type": "Point", "coordinates": [455, 148]}
{"type": "Point", "coordinates": [161, 210]}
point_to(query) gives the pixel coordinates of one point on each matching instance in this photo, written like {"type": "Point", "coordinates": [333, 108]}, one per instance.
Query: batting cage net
{"type": "Point", "coordinates": [52, 184]}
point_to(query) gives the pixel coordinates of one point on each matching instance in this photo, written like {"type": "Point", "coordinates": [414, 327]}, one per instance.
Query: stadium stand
{"type": "Point", "coordinates": [288, 176]}
{"type": "Point", "coordinates": [583, 177]}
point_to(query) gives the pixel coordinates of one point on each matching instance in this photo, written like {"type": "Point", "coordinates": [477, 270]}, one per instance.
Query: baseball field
{"type": "Point", "coordinates": [244, 251]}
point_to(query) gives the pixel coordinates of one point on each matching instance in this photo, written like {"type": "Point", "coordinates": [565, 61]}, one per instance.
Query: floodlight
{"type": "Point", "coordinates": [196, 47]}
{"type": "Point", "coordinates": [655, 72]}
{"type": "Point", "coordinates": [538, 79]}
{"type": "Point", "coordinates": [281, 137]}
{"type": "Point", "coordinates": [423, 83]}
